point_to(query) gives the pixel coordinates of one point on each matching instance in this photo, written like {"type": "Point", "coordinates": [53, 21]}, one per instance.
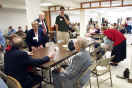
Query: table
{"type": "Point", "coordinates": [62, 55]}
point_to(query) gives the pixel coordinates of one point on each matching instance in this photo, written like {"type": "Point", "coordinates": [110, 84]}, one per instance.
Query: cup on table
{"type": "Point", "coordinates": [55, 50]}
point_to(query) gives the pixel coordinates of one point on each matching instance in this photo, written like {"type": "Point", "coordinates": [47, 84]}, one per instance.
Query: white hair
{"type": "Point", "coordinates": [41, 13]}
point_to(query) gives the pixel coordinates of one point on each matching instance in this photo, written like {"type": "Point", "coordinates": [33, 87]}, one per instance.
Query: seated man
{"type": "Point", "coordinates": [35, 37]}
{"type": "Point", "coordinates": [17, 62]}
{"type": "Point", "coordinates": [11, 30]}
{"type": "Point", "coordinates": [66, 78]}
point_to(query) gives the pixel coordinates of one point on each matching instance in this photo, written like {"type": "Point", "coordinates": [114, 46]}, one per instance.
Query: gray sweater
{"type": "Point", "coordinates": [80, 62]}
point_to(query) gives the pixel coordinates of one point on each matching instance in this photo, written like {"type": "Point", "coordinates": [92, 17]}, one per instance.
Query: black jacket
{"type": "Point", "coordinates": [42, 39]}
{"type": "Point", "coordinates": [16, 63]}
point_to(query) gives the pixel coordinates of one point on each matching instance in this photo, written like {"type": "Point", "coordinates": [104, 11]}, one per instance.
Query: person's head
{"type": "Point", "coordinates": [104, 27]}
{"type": "Point", "coordinates": [19, 28]}
{"type": "Point", "coordinates": [35, 25]}
{"type": "Point", "coordinates": [62, 9]}
{"type": "Point", "coordinates": [97, 26]}
{"type": "Point", "coordinates": [91, 26]}
{"type": "Point", "coordinates": [41, 16]}
{"type": "Point", "coordinates": [10, 27]}
{"type": "Point", "coordinates": [17, 42]}
{"type": "Point", "coordinates": [80, 43]}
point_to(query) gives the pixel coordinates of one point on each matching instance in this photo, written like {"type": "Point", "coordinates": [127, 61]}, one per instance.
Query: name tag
{"type": "Point", "coordinates": [35, 38]}
{"type": "Point", "coordinates": [61, 19]}
{"type": "Point", "coordinates": [40, 23]}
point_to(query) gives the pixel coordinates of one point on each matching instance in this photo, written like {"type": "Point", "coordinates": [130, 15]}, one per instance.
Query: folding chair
{"type": "Point", "coordinates": [10, 81]}
{"type": "Point", "coordinates": [13, 83]}
{"type": "Point", "coordinates": [105, 63]}
{"type": "Point", "coordinates": [90, 68]}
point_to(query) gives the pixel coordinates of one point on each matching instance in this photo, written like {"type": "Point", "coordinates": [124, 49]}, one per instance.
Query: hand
{"type": "Point", "coordinates": [41, 46]}
{"type": "Point", "coordinates": [30, 53]}
{"type": "Point", "coordinates": [52, 55]}
{"type": "Point", "coordinates": [34, 48]}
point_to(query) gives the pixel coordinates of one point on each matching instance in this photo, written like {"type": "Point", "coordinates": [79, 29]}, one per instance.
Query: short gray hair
{"type": "Point", "coordinates": [82, 43]}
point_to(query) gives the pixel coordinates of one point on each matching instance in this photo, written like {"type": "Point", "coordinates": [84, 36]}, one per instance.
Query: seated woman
{"type": "Point", "coordinates": [66, 78]}
{"type": "Point", "coordinates": [35, 37]}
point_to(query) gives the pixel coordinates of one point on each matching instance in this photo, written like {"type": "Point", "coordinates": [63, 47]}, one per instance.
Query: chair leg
{"type": "Point", "coordinates": [97, 80]}
{"type": "Point", "coordinates": [90, 83]}
{"type": "Point", "coordinates": [111, 78]}
{"type": "Point", "coordinates": [78, 84]}
{"type": "Point", "coordinates": [50, 74]}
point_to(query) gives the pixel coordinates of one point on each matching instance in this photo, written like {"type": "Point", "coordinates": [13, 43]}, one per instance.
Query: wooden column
{"type": "Point", "coordinates": [48, 19]}
{"type": "Point", "coordinates": [81, 5]}
{"type": "Point", "coordinates": [90, 4]}
{"type": "Point", "coordinates": [110, 3]}
{"type": "Point", "coordinates": [122, 1]}
{"type": "Point", "coordinates": [100, 4]}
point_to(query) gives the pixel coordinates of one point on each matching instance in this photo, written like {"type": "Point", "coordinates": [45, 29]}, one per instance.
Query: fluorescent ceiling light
{"type": "Point", "coordinates": [46, 4]}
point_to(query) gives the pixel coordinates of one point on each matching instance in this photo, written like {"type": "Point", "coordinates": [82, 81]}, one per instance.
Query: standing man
{"type": "Point", "coordinates": [43, 25]}
{"type": "Point", "coordinates": [62, 26]}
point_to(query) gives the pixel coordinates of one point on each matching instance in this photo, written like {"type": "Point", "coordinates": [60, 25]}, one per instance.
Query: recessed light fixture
{"type": "Point", "coordinates": [46, 4]}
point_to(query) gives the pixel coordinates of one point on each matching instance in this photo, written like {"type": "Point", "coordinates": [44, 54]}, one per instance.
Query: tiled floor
{"type": "Point", "coordinates": [117, 83]}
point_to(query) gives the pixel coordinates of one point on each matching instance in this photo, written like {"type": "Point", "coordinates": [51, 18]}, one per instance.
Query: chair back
{"type": "Point", "coordinates": [104, 61]}
{"type": "Point", "coordinates": [90, 68]}
{"type": "Point", "coordinates": [13, 83]}
{"type": "Point", "coordinates": [3, 75]}
{"type": "Point", "coordinates": [10, 81]}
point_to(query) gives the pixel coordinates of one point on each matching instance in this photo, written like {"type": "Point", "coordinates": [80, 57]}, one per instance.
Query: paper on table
{"type": "Point", "coordinates": [53, 50]}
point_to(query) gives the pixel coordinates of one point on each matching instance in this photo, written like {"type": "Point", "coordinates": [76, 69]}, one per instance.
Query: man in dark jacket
{"type": "Point", "coordinates": [43, 24]}
{"type": "Point", "coordinates": [17, 62]}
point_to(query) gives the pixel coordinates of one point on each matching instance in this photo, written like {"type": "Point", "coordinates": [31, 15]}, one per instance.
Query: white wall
{"type": "Point", "coordinates": [12, 17]}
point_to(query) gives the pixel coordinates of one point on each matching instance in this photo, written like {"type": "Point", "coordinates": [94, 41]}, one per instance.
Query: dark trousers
{"type": "Point", "coordinates": [119, 52]}
{"type": "Point", "coordinates": [128, 28]}
{"type": "Point", "coordinates": [32, 80]}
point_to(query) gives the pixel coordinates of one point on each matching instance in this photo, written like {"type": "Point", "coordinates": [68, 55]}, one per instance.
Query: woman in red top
{"type": "Point", "coordinates": [119, 46]}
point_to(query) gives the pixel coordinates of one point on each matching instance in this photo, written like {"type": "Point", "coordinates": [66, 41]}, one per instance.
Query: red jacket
{"type": "Point", "coordinates": [116, 36]}
{"type": "Point", "coordinates": [8, 48]}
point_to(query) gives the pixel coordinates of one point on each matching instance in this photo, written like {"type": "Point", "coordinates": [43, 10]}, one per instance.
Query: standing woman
{"type": "Point", "coordinates": [119, 44]}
